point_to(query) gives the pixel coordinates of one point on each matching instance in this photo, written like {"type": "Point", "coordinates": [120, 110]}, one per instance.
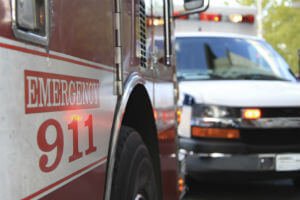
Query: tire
{"type": "Point", "coordinates": [190, 183]}
{"type": "Point", "coordinates": [296, 182]}
{"type": "Point", "coordinates": [134, 176]}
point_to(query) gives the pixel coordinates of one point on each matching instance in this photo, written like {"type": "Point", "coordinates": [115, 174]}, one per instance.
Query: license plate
{"type": "Point", "coordinates": [287, 162]}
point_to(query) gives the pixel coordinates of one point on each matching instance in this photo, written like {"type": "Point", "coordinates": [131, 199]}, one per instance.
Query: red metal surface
{"type": "Point", "coordinates": [169, 165]}
{"type": "Point", "coordinates": [83, 29]}
{"type": "Point", "coordinates": [5, 18]}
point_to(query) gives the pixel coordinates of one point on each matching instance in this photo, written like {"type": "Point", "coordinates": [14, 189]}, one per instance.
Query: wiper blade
{"type": "Point", "coordinates": [201, 76]}
{"type": "Point", "coordinates": [259, 77]}
{"type": "Point", "coordinates": [216, 76]}
{"type": "Point", "coordinates": [180, 78]}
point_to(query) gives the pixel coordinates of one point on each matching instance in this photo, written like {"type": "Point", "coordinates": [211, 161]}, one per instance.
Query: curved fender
{"type": "Point", "coordinates": [133, 80]}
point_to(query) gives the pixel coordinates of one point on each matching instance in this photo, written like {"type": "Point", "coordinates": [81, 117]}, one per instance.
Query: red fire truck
{"type": "Point", "coordinates": [87, 103]}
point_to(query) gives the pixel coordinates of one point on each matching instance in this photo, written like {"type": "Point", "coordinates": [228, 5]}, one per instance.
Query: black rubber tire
{"type": "Point", "coordinates": [134, 177]}
{"type": "Point", "coordinates": [190, 183]}
{"type": "Point", "coordinates": [296, 182]}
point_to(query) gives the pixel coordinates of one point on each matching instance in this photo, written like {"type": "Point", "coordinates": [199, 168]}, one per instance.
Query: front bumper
{"type": "Point", "coordinates": [214, 159]}
{"type": "Point", "coordinates": [218, 167]}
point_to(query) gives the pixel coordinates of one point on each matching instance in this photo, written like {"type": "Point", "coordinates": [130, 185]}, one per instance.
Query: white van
{"type": "Point", "coordinates": [240, 106]}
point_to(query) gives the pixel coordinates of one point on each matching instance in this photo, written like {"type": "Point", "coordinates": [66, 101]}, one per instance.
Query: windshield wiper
{"type": "Point", "coordinates": [181, 78]}
{"type": "Point", "coordinates": [213, 76]}
{"type": "Point", "coordinates": [258, 77]}
{"type": "Point", "coordinates": [201, 76]}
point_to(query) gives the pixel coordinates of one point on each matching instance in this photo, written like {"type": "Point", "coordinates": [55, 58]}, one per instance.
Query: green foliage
{"type": "Point", "coordinates": [281, 28]}
{"type": "Point", "coordinates": [246, 2]}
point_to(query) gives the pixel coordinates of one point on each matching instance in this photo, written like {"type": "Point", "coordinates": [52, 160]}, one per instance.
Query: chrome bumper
{"type": "Point", "coordinates": [293, 122]}
{"type": "Point", "coordinates": [227, 162]}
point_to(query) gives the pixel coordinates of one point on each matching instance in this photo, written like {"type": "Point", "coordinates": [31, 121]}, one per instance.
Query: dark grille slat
{"type": "Point", "coordinates": [281, 112]}
{"type": "Point", "coordinates": [289, 136]}
{"type": "Point", "coordinates": [142, 33]}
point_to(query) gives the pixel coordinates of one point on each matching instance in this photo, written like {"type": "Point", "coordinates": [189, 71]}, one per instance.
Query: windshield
{"type": "Point", "coordinates": [223, 58]}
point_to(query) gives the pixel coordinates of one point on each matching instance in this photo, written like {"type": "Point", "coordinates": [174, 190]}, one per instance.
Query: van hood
{"type": "Point", "coordinates": [242, 93]}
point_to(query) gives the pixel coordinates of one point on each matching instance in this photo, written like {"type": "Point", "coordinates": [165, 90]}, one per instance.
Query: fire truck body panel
{"type": "Point", "coordinates": [21, 153]}
{"type": "Point", "coordinates": [59, 109]}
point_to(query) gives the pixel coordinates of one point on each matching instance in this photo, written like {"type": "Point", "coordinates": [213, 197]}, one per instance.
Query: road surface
{"type": "Point", "coordinates": [276, 190]}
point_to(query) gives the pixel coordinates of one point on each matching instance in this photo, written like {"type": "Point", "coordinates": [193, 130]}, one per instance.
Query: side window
{"type": "Point", "coordinates": [155, 30]}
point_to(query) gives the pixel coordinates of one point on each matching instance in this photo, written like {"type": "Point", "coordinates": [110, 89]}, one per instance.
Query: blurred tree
{"type": "Point", "coordinates": [281, 27]}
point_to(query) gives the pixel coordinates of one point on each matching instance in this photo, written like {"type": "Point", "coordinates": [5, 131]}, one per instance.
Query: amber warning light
{"type": "Point", "coordinates": [217, 133]}
{"type": "Point", "coordinates": [251, 114]}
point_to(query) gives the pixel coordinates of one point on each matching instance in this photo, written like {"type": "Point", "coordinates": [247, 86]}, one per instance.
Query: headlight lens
{"type": "Point", "coordinates": [213, 111]}
{"type": "Point", "coordinates": [211, 121]}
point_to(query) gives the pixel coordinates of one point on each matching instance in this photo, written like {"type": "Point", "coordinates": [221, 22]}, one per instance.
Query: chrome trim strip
{"type": "Point", "coordinates": [28, 36]}
{"type": "Point", "coordinates": [118, 78]}
{"type": "Point", "coordinates": [292, 122]}
{"type": "Point", "coordinates": [167, 32]}
{"type": "Point", "coordinates": [133, 80]}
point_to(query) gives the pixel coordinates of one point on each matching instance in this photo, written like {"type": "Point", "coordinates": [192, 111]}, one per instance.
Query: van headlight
{"type": "Point", "coordinates": [212, 121]}
{"type": "Point", "coordinates": [213, 111]}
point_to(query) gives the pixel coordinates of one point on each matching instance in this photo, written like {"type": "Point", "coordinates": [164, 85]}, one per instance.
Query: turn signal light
{"type": "Point", "coordinates": [251, 114]}
{"type": "Point", "coordinates": [181, 184]}
{"type": "Point", "coordinates": [178, 114]}
{"type": "Point", "coordinates": [167, 135]}
{"type": "Point", "coordinates": [221, 133]}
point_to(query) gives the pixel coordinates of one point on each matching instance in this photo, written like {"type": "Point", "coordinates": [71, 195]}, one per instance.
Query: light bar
{"type": "Point", "coordinates": [238, 18]}
{"type": "Point", "coordinates": [220, 133]}
{"type": "Point", "coordinates": [153, 21]}
{"type": "Point", "coordinates": [248, 19]}
{"type": "Point", "coordinates": [251, 113]}
{"type": "Point", "coordinates": [178, 15]}
{"type": "Point", "coordinates": [210, 17]}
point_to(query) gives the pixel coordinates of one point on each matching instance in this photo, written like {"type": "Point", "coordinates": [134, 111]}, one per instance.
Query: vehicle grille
{"type": "Point", "coordinates": [283, 136]}
{"type": "Point", "coordinates": [281, 112]}
{"type": "Point", "coordinates": [141, 35]}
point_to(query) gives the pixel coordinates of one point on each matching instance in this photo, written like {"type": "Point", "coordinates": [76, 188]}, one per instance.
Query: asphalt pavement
{"type": "Point", "coordinates": [273, 190]}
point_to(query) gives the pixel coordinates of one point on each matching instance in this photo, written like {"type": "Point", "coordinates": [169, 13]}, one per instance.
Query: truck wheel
{"type": "Point", "coordinates": [134, 176]}
{"type": "Point", "coordinates": [296, 182]}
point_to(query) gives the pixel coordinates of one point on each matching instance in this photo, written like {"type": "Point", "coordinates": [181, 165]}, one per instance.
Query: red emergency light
{"type": "Point", "coordinates": [238, 18]}
{"type": "Point", "coordinates": [210, 17]}
{"type": "Point", "coordinates": [248, 19]}
{"type": "Point", "coordinates": [178, 15]}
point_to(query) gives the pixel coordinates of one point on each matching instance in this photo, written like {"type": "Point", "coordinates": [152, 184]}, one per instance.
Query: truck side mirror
{"type": "Point", "coordinates": [193, 6]}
